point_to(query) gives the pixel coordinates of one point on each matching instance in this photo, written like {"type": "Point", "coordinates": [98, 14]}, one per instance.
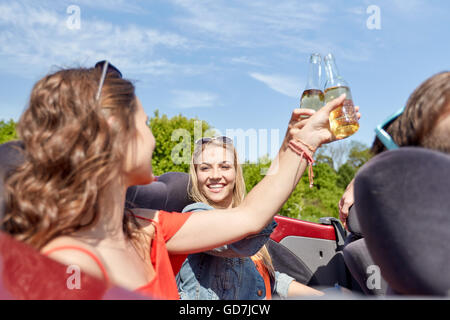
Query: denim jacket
{"type": "Point", "coordinates": [228, 272]}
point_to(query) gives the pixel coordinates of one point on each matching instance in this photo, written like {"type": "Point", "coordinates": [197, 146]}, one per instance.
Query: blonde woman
{"type": "Point", "coordinates": [242, 270]}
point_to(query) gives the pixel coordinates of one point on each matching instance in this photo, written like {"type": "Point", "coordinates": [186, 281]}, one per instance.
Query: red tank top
{"type": "Point", "coordinates": [163, 285]}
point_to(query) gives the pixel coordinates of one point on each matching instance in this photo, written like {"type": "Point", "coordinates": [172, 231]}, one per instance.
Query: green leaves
{"type": "Point", "coordinates": [7, 131]}
{"type": "Point", "coordinates": [175, 138]}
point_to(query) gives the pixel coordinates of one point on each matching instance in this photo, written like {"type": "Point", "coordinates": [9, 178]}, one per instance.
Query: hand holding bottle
{"type": "Point", "coordinates": [315, 130]}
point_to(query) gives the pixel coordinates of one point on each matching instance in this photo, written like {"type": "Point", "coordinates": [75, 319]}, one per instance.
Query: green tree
{"type": "Point", "coordinates": [7, 131]}
{"type": "Point", "coordinates": [322, 199]}
{"type": "Point", "coordinates": [358, 155]}
{"type": "Point", "coordinates": [175, 138]}
{"type": "Point", "coordinates": [304, 203]}
{"type": "Point", "coordinates": [345, 174]}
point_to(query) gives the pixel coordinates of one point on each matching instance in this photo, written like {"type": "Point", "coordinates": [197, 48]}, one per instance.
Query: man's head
{"type": "Point", "coordinates": [426, 119]}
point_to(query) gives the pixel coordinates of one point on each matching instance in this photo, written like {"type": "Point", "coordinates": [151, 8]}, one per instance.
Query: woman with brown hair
{"type": "Point", "coordinates": [242, 270]}
{"type": "Point", "coordinates": [86, 141]}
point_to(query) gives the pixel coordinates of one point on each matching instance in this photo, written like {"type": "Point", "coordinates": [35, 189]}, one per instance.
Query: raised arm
{"type": "Point", "coordinates": [204, 231]}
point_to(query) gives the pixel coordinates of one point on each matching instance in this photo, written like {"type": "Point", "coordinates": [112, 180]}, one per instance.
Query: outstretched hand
{"type": "Point", "coordinates": [315, 130]}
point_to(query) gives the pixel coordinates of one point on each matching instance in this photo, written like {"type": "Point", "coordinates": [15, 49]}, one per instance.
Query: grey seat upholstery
{"type": "Point", "coordinates": [360, 264]}
{"type": "Point", "coordinates": [403, 206]}
{"type": "Point", "coordinates": [353, 222]}
{"type": "Point", "coordinates": [358, 259]}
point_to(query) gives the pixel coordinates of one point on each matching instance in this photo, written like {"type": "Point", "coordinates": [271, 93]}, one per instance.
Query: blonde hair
{"type": "Point", "coordinates": [239, 191]}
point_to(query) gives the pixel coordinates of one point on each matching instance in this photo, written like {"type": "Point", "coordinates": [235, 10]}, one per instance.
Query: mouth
{"type": "Point", "coordinates": [216, 187]}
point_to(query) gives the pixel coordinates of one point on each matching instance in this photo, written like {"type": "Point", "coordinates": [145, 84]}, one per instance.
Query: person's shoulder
{"type": "Point", "coordinates": [144, 214]}
{"type": "Point", "coordinates": [73, 252]}
{"type": "Point", "coordinates": [198, 206]}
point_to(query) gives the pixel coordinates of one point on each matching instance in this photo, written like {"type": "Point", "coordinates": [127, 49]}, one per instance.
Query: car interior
{"type": "Point", "coordinates": [396, 244]}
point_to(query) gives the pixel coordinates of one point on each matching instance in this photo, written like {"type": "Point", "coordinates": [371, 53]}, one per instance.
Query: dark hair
{"type": "Point", "coordinates": [424, 108]}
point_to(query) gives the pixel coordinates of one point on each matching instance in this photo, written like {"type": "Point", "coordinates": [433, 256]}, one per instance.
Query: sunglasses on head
{"type": "Point", "coordinates": [106, 68]}
{"type": "Point", "coordinates": [382, 134]}
{"type": "Point", "coordinates": [223, 139]}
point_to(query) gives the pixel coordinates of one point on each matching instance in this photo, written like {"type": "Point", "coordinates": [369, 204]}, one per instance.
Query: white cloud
{"type": "Point", "coordinates": [286, 85]}
{"type": "Point", "coordinates": [185, 99]}
{"type": "Point", "coordinates": [409, 6]}
{"type": "Point", "coordinates": [251, 23]}
{"type": "Point", "coordinates": [37, 38]}
{"type": "Point", "coordinates": [127, 6]}
{"type": "Point", "coordinates": [246, 60]}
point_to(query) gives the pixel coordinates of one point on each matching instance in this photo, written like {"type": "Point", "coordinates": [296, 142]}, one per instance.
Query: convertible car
{"type": "Point", "coordinates": [397, 244]}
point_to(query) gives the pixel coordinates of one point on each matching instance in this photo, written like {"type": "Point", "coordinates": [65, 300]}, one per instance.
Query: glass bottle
{"type": "Point", "coordinates": [313, 97]}
{"type": "Point", "coordinates": [343, 119]}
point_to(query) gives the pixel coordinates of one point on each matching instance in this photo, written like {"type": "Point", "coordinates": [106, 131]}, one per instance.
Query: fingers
{"type": "Point", "coordinates": [358, 115]}
{"type": "Point", "coordinates": [301, 112]}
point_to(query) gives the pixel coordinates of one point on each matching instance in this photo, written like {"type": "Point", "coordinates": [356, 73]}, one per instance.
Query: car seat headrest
{"type": "Point", "coordinates": [403, 206]}
{"type": "Point", "coordinates": [168, 193]}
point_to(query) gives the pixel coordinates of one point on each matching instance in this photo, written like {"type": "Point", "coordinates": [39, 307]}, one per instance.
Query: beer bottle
{"type": "Point", "coordinates": [313, 97]}
{"type": "Point", "coordinates": [343, 119]}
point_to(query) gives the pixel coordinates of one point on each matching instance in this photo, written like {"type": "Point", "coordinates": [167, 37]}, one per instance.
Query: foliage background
{"type": "Point", "coordinates": [335, 165]}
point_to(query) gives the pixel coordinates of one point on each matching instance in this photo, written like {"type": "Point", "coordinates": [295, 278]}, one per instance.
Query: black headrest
{"type": "Point", "coordinates": [353, 223]}
{"type": "Point", "coordinates": [168, 193]}
{"type": "Point", "coordinates": [403, 205]}
{"type": "Point", "coordinates": [11, 156]}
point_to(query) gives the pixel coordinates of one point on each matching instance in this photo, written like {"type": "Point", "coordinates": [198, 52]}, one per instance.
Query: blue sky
{"type": "Point", "coordinates": [235, 64]}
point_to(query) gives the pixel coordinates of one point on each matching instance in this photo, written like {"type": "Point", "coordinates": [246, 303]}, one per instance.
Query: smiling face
{"type": "Point", "coordinates": [216, 175]}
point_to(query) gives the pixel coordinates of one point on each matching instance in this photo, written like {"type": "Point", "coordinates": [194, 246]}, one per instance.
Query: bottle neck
{"type": "Point", "coordinates": [314, 73]}
{"type": "Point", "coordinates": [331, 69]}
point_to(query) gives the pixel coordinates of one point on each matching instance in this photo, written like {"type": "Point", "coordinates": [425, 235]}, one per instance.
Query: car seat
{"type": "Point", "coordinates": [403, 207]}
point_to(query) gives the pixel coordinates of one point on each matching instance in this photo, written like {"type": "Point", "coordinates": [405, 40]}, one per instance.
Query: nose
{"type": "Point", "coordinates": [216, 174]}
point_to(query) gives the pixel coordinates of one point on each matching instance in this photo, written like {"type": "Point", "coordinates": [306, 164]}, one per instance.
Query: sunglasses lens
{"type": "Point", "coordinates": [222, 139]}
{"type": "Point", "coordinates": [111, 68]}
{"type": "Point", "coordinates": [203, 141]}
{"type": "Point", "coordinates": [226, 140]}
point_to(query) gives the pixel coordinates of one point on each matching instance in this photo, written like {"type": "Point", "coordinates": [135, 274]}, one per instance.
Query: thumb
{"type": "Point", "coordinates": [333, 104]}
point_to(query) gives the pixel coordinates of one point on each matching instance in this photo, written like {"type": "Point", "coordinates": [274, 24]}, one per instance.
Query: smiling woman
{"type": "Point", "coordinates": [241, 270]}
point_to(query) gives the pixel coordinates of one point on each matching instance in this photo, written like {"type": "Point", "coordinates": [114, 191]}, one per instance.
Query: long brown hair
{"type": "Point", "coordinates": [424, 108]}
{"type": "Point", "coordinates": [239, 191]}
{"type": "Point", "coordinates": [71, 154]}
